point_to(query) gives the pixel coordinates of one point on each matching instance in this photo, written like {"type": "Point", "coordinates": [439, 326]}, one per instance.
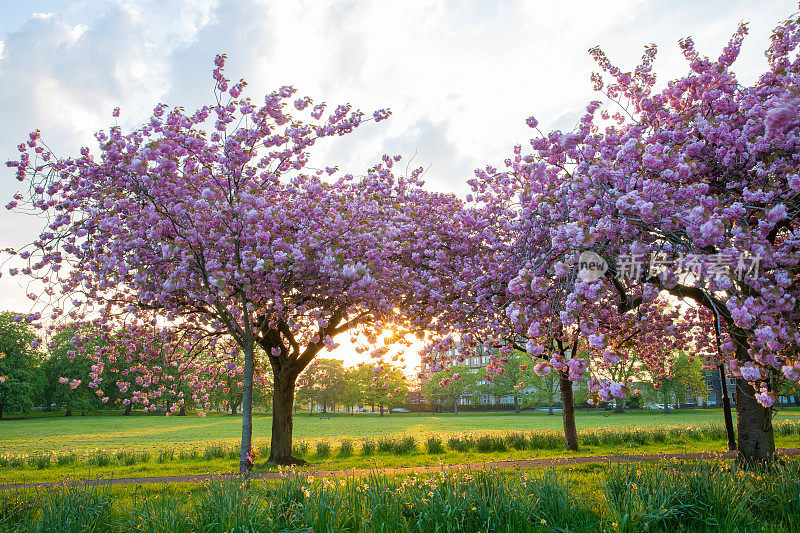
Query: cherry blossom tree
{"type": "Point", "coordinates": [215, 225]}
{"type": "Point", "coordinates": [690, 191]}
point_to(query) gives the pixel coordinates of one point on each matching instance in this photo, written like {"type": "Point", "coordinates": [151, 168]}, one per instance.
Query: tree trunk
{"type": "Point", "coordinates": [568, 412]}
{"type": "Point", "coordinates": [381, 408]}
{"type": "Point", "coordinates": [245, 465]}
{"type": "Point", "coordinates": [1, 411]}
{"type": "Point", "coordinates": [754, 427]}
{"type": "Point", "coordinates": [233, 409]}
{"type": "Point", "coordinates": [182, 412]}
{"type": "Point", "coordinates": [726, 407]}
{"type": "Point", "coordinates": [516, 403]}
{"type": "Point", "coordinates": [455, 407]}
{"type": "Point", "coordinates": [282, 421]}
{"type": "Point", "coordinates": [127, 412]}
{"type": "Point", "coordinates": [754, 424]}
{"type": "Point", "coordinates": [68, 413]}
{"type": "Point", "coordinates": [618, 406]}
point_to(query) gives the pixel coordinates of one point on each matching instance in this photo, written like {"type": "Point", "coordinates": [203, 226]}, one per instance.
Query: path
{"type": "Point", "coordinates": [512, 463]}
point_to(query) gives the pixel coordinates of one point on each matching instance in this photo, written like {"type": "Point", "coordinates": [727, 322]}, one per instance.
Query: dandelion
{"type": "Point", "coordinates": [544, 522]}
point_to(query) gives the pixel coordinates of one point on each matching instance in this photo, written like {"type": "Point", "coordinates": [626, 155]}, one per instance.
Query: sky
{"type": "Point", "coordinates": [460, 77]}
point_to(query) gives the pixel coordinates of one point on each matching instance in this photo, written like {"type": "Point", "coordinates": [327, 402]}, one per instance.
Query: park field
{"type": "Point", "coordinates": [54, 448]}
{"type": "Point", "coordinates": [107, 431]}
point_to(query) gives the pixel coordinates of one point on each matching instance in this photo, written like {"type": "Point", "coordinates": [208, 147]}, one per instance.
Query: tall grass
{"type": "Point", "coordinates": [666, 496]}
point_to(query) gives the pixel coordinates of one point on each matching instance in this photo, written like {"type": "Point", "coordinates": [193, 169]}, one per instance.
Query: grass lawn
{"type": "Point", "coordinates": [191, 438]}
{"type": "Point", "coordinates": [82, 433]}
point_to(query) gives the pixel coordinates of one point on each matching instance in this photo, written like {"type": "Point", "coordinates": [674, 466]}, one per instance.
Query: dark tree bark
{"type": "Point", "coordinates": [726, 407]}
{"type": "Point", "coordinates": [68, 413]}
{"type": "Point", "coordinates": [516, 403]}
{"type": "Point", "coordinates": [282, 418]}
{"type": "Point", "coordinates": [568, 412]}
{"type": "Point", "coordinates": [128, 409]}
{"type": "Point", "coordinates": [182, 412]}
{"type": "Point", "coordinates": [381, 405]}
{"type": "Point", "coordinates": [1, 411]}
{"type": "Point", "coordinates": [455, 407]}
{"type": "Point", "coordinates": [726, 401]}
{"type": "Point", "coordinates": [247, 410]}
{"type": "Point", "coordinates": [754, 425]}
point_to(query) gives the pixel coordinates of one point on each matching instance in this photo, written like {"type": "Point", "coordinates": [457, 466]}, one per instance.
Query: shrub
{"type": "Point", "coordinates": [434, 445]}
{"type": "Point", "coordinates": [166, 455]}
{"type": "Point", "coordinates": [323, 449]}
{"type": "Point", "coordinates": [367, 447]}
{"type": "Point", "coordinates": [516, 440]}
{"type": "Point", "coordinates": [346, 448]}
{"type": "Point", "coordinates": [405, 445]}
{"type": "Point", "coordinates": [490, 443]}
{"type": "Point", "coordinates": [101, 458]}
{"type": "Point", "coordinates": [461, 443]}
{"type": "Point", "coordinates": [385, 445]}
{"type": "Point", "coordinates": [215, 451]}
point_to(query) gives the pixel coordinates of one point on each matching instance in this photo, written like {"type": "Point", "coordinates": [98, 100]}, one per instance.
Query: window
{"type": "Point", "coordinates": [709, 386]}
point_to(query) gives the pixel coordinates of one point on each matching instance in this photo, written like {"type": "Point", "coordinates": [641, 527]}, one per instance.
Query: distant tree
{"type": "Point", "coordinates": [18, 363]}
{"type": "Point", "coordinates": [450, 386]}
{"type": "Point", "coordinates": [381, 384]}
{"type": "Point", "coordinates": [542, 391]}
{"type": "Point", "coordinates": [683, 380]}
{"type": "Point", "coordinates": [62, 374]}
{"type": "Point", "coordinates": [516, 376]}
{"type": "Point", "coordinates": [353, 393]}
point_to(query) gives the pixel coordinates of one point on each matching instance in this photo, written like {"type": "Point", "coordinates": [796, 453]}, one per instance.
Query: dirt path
{"type": "Point", "coordinates": [313, 471]}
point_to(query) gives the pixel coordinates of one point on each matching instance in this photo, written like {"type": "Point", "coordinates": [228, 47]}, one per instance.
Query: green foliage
{"type": "Point", "coordinates": [323, 449]}
{"type": "Point", "coordinates": [434, 445]}
{"type": "Point", "coordinates": [684, 380]}
{"type": "Point", "coordinates": [460, 443]}
{"type": "Point", "coordinates": [454, 390]}
{"type": "Point", "coordinates": [367, 447]}
{"type": "Point", "coordinates": [18, 365]}
{"type": "Point", "coordinates": [64, 362]}
{"type": "Point", "coordinates": [490, 443]}
{"type": "Point", "coordinates": [346, 448]}
{"type": "Point", "coordinates": [663, 496]}
{"type": "Point", "coordinates": [516, 440]}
